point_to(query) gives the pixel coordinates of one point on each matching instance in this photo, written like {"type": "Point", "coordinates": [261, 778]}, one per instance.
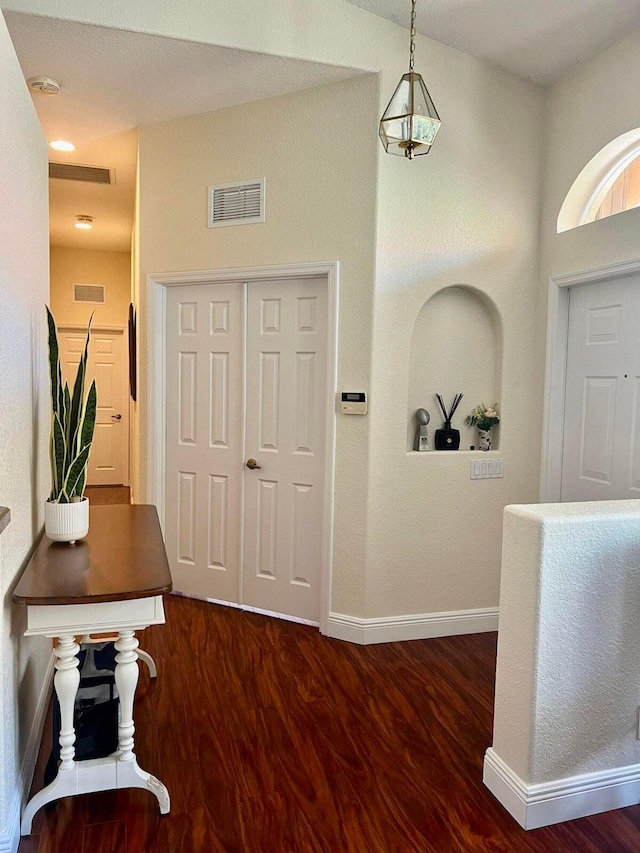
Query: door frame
{"type": "Point", "coordinates": [105, 327]}
{"type": "Point", "coordinates": [556, 367]}
{"type": "Point", "coordinates": [157, 285]}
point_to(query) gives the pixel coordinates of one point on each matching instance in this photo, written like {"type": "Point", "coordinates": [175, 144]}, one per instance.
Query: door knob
{"type": "Point", "coordinates": [116, 417]}
{"type": "Point", "coordinates": [251, 463]}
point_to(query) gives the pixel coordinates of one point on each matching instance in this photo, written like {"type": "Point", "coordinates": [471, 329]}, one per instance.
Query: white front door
{"type": "Point", "coordinates": [109, 458]}
{"type": "Point", "coordinates": [247, 383]}
{"type": "Point", "coordinates": [601, 444]}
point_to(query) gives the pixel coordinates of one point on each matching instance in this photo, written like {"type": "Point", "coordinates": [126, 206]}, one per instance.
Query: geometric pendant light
{"type": "Point", "coordinates": [410, 122]}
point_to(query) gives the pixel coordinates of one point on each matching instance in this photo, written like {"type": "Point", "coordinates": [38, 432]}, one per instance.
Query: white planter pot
{"type": "Point", "coordinates": [66, 522]}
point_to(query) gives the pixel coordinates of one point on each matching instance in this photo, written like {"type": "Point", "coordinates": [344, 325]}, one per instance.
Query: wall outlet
{"type": "Point", "coordinates": [486, 469]}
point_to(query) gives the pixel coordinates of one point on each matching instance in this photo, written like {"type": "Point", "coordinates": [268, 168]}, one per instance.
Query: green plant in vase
{"type": "Point", "coordinates": [484, 418]}
{"type": "Point", "coordinates": [73, 417]}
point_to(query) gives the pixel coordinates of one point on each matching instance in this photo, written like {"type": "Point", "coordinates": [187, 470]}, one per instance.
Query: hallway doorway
{"type": "Point", "coordinates": [591, 437]}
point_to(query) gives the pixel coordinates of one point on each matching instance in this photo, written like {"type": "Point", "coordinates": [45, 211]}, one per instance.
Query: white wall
{"type": "Point", "coordinates": [566, 707]}
{"type": "Point", "coordinates": [585, 111]}
{"type": "Point", "coordinates": [24, 423]}
{"type": "Point", "coordinates": [466, 214]}
{"type": "Point", "coordinates": [575, 142]}
{"type": "Point", "coordinates": [320, 197]}
{"type": "Point", "coordinates": [88, 266]}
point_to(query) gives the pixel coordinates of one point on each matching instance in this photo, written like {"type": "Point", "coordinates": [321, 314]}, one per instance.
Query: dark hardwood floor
{"type": "Point", "coordinates": [274, 739]}
{"type": "Point", "coordinates": [101, 495]}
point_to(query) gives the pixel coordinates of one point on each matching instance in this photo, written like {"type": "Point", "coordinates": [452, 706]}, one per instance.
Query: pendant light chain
{"type": "Point", "coordinates": [413, 35]}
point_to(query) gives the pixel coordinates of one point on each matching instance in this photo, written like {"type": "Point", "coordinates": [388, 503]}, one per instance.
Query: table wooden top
{"type": "Point", "coordinates": [123, 557]}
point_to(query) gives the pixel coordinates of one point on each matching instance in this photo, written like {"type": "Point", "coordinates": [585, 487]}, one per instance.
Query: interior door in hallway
{"type": "Point", "coordinates": [601, 445]}
{"type": "Point", "coordinates": [247, 406]}
{"type": "Point", "coordinates": [205, 369]}
{"type": "Point", "coordinates": [109, 458]}
{"type": "Point", "coordinates": [285, 434]}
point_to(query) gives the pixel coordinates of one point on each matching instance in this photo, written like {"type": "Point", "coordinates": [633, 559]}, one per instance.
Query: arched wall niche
{"type": "Point", "coordinates": [596, 179]}
{"type": "Point", "coordinates": [456, 345]}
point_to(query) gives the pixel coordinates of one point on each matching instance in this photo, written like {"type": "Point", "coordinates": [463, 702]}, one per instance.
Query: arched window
{"type": "Point", "coordinates": [621, 191]}
{"type": "Point", "coordinates": [608, 184]}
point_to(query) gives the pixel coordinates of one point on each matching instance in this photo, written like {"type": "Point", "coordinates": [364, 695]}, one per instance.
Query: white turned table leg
{"type": "Point", "coordinates": [120, 770]}
{"type": "Point", "coordinates": [66, 682]}
{"type": "Point", "coordinates": [126, 681]}
{"type": "Point", "coordinates": [129, 773]}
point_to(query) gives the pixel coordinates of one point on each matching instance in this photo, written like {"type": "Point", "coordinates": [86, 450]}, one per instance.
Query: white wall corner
{"type": "Point", "coordinates": [534, 806]}
{"type": "Point", "coordinates": [10, 834]}
{"type": "Point", "coordinates": [568, 573]}
{"type": "Point", "coordinates": [415, 626]}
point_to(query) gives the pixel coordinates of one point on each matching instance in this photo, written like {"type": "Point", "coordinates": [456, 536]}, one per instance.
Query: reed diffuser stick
{"type": "Point", "coordinates": [456, 403]}
{"type": "Point", "coordinates": [442, 408]}
{"type": "Point", "coordinates": [448, 416]}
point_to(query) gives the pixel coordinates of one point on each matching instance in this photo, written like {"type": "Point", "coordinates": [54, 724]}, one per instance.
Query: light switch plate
{"type": "Point", "coordinates": [486, 469]}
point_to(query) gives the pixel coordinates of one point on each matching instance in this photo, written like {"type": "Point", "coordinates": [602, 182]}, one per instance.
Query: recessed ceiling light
{"type": "Point", "coordinates": [61, 145]}
{"type": "Point", "coordinates": [84, 222]}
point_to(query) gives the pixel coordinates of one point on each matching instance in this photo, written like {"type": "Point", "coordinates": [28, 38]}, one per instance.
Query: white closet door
{"type": "Point", "coordinates": [248, 535]}
{"type": "Point", "coordinates": [204, 438]}
{"type": "Point", "coordinates": [109, 458]}
{"type": "Point", "coordinates": [285, 434]}
{"type": "Point", "coordinates": [601, 445]}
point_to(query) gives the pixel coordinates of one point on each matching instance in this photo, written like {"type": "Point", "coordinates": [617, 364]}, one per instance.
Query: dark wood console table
{"type": "Point", "coordinates": [111, 581]}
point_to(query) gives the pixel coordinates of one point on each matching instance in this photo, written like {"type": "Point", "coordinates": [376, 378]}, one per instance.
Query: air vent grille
{"type": "Point", "coordinates": [93, 293]}
{"type": "Point", "coordinates": [239, 203]}
{"type": "Point", "coordinates": [89, 174]}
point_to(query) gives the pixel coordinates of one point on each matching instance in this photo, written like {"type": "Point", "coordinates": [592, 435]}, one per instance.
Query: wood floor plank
{"type": "Point", "coordinates": [108, 837]}
{"type": "Point", "coordinates": [108, 495]}
{"type": "Point", "coordinates": [274, 739]}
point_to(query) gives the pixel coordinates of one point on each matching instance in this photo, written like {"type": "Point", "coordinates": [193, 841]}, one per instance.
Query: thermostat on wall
{"type": "Point", "coordinates": [354, 403]}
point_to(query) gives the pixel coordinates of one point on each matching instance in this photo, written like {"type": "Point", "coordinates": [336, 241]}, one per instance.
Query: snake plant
{"type": "Point", "coordinates": [72, 421]}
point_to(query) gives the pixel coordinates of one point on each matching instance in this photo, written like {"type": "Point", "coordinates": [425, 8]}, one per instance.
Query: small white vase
{"type": "Point", "coordinates": [66, 522]}
{"type": "Point", "coordinates": [485, 439]}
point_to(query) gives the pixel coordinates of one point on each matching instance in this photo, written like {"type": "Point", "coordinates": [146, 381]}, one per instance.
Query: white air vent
{"type": "Point", "coordinates": [93, 293]}
{"type": "Point", "coordinates": [239, 203]}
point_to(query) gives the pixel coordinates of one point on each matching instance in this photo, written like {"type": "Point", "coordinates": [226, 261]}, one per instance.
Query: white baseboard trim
{"type": "Point", "coordinates": [414, 626]}
{"type": "Point", "coordinates": [10, 836]}
{"type": "Point", "coordinates": [534, 806]}
{"type": "Point", "coordinates": [386, 629]}
{"type": "Point", "coordinates": [248, 609]}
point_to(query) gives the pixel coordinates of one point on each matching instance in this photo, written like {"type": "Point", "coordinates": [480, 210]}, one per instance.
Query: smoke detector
{"type": "Point", "coordinates": [44, 84]}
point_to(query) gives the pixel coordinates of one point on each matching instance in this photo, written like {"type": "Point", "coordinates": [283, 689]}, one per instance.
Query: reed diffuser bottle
{"type": "Point", "coordinates": [447, 438]}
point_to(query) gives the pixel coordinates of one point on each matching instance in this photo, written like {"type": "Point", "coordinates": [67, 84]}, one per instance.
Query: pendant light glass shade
{"type": "Point", "coordinates": [411, 121]}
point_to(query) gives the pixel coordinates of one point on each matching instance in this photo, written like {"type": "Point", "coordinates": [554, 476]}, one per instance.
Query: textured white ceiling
{"type": "Point", "coordinates": [113, 81]}
{"type": "Point", "coordinates": [537, 39]}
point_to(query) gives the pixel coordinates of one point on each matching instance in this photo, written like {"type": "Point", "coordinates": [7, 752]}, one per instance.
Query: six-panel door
{"type": "Point", "coordinates": [246, 380]}
{"type": "Point", "coordinates": [601, 447]}
{"type": "Point", "coordinates": [109, 458]}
